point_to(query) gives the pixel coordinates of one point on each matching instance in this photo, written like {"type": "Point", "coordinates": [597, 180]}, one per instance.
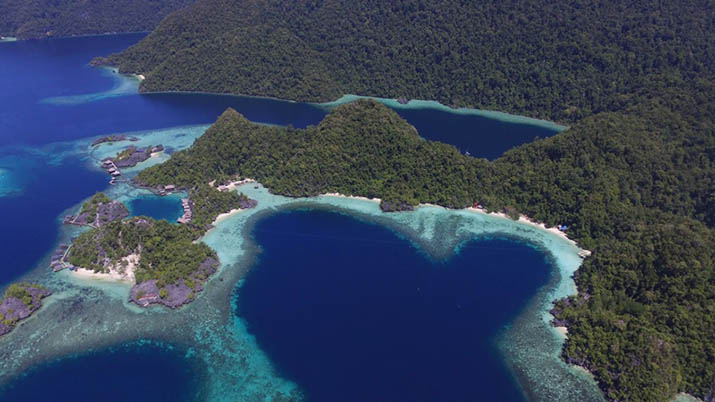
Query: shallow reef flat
{"type": "Point", "coordinates": [85, 315]}
{"type": "Point", "coordinates": [12, 168]}
{"type": "Point", "coordinates": [124, 84]}
{"type": "Point", "coordinates": [7, 182]}
{"type": "Point", "coordinates": [428, 104]}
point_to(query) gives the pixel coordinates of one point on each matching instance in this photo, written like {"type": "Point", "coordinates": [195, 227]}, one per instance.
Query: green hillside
{"type": "Point", "coordinates": [37, 19]}
{"type": "Point", "coordinates": [555, 60]}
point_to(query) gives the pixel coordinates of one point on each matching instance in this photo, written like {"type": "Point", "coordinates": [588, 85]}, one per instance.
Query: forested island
{"type": "Point", "coordinates": [19, 302]}
{"type": "Point", "coordinates": [555, 60]}
{"type": "Point", "coordinates": [38, 19]}
{"type": "Point", "coordinates": [162, 260]}
{"type": "Point", "coordinates": [642, 321]}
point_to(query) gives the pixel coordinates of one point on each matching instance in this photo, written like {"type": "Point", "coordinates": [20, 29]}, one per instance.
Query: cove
{"type": "Point", "coordinates": [352, 312]}
{"type": "Point", "coordinates": [139, 372]}
{"type": "Point", "coordinates": [168, 208]}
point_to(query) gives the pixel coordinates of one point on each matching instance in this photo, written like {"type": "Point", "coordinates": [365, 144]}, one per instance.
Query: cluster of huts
{"type": "Point", "coordinates": [186, 217]}
{"type": "Point", "coordinates": [58, 263]}
{"type": "Point", "coordinates": [112, 170]}
{"type": "Point", "coordinates": [230, 186]}
{"type": "Point", "coordinates": [168, 189]}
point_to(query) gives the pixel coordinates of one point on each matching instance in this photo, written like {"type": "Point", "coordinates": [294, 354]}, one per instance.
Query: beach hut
{"type": "Point", "coordinates": [170, 187]}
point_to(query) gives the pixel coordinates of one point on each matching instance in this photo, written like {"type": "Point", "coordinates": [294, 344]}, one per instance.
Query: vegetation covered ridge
{"type": "Point", "coordinates": [559, 61]}
{"type": "Point", "coordinates": [37, 19]}
{"type": "Point", "coordinates": [19, 302]}
{"type": "Point", "coordinates": [633, 187]}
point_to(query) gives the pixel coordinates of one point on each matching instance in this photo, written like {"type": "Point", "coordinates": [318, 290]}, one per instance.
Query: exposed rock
{"type": "Point", "coordinates": [145, 293]}
{"type": "Point", "coordinates": [557, 321]}
{"type": "Point", "coordinates": [106, 212]}
{"type": "Point", "coordinates": [402, 100]}
{"type": "Point", "coordinates": [114, 138]}
{"type": "Point", "coordinates": [178, 294]}
{"type": "Point", "coordinates": [13, 309]}
{"type": "Point", "coordinates": [110, 212]}
{"type": "Point", "coordinates": [174, 296]}
{"type": "Point", "coordinates": [249, 203]}
{"type": "Point", "coordinates": [389, 206]}
{"type": "Point", "coordinates": [135, 156]}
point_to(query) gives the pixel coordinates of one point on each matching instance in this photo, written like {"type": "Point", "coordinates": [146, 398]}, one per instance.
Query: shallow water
{"type": "Point", "coordinates": [54, 105]}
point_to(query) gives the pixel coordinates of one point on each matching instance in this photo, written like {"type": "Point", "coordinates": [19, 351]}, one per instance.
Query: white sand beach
{"type": "Point", "coordinates": [353, 197]}
{"type": "Point", "coordinates": [528, 221]}
{"type": "Point", "coordinates": [121, 272]}
{"type": "Point", "coordinates": [225, 216]}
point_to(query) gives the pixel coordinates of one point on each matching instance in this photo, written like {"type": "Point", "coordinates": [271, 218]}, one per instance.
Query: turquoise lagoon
{"type": "Point", "coordinates": [86, 322]}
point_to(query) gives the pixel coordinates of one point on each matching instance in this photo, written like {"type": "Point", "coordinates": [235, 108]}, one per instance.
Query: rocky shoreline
{"type": "Point", "coordinates": [173, 296]}
{"type": "Point", "coordinates": [114, 138]}
{"type": "Point", "coordinates": [98, 211]}
{"type": "Point", "coordinates": [132, 156]}
{"type": "Point", "coordinates": [20, 301]}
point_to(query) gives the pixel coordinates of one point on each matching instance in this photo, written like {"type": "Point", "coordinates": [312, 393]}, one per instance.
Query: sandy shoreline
{"type": "Point", "coordinates": [523, 219]}
{"type": "Point", "coordinates": [116, 273]}
{"type": "Point", "coordinates": [352, 197]}
{"type": "Point", "coordinates": [111, 276]}
{"type": "Point", "coordinates": [225, 215]}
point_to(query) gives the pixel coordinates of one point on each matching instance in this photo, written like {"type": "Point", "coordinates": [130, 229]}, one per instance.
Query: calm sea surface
{"type": "Point", "coordinates": [383, 322]}
{"type": "Point", "coordinates": [351, 312]}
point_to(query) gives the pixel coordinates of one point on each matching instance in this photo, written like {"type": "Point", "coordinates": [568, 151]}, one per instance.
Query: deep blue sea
{"type": "Point", "coordinates": [127, 373]}
{"type": "Point", "coordinates": [432, 323]}
{"type": "Point", "coordinates": [352, 312]}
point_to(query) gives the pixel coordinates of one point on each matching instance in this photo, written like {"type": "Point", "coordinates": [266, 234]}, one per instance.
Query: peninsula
{"type": "Point", "coordinates": [595, 179]}
{"type": "Point", "coordinates": [19, 302]}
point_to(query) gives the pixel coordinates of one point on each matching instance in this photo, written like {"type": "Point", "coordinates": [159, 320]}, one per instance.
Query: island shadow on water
{"type": "Point", "coordinates": [350, 311]}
